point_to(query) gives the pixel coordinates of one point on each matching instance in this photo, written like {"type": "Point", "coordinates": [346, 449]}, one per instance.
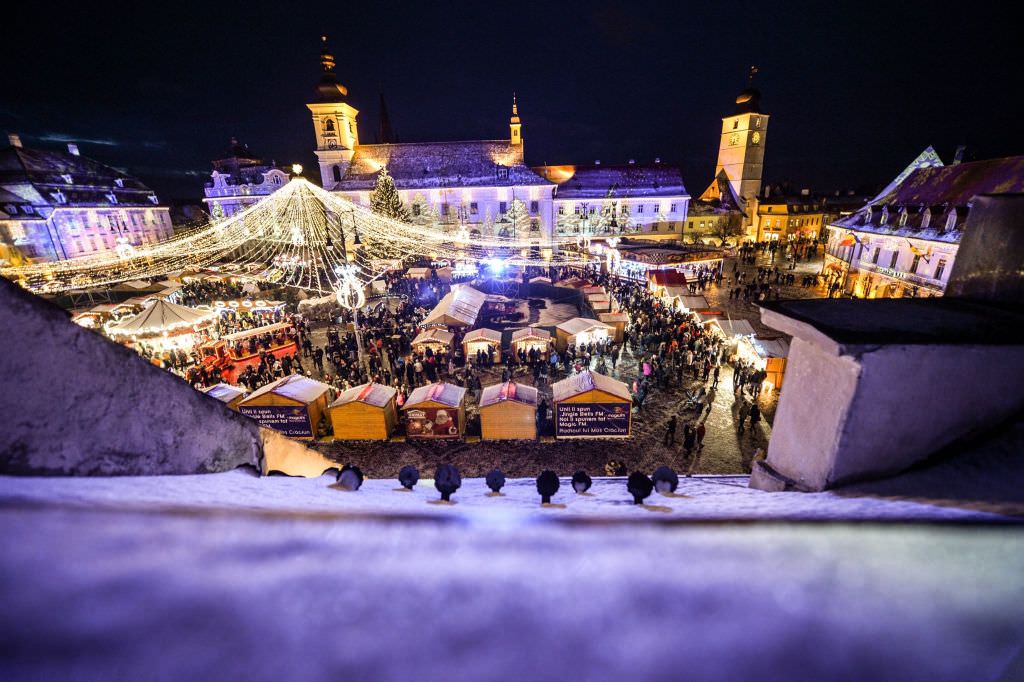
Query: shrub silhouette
{"type": "Point", "coordinates": [495, 480]}
{"type": "Point", "coordinates": [350, 477]}
{"type": "Point", "coordinates": [447, 480]}
{"type": "Point", "coordinates": [547, 485]}
{"type": "Point", "coordinates": [639, 486]}
{"type": "Point", "coordinates": [665, 479]}
{"type": "Point", "coordinates": [581, 482]}
{"type": "Point", "coordinates": [408, 476]}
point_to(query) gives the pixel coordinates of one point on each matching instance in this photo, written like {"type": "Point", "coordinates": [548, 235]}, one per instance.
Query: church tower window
{"type": "Point", "coordinates": [336, 172]}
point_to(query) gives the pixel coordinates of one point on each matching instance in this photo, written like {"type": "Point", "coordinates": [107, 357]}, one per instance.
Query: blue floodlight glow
{"type": "Point", "coordinates": [496, 265]}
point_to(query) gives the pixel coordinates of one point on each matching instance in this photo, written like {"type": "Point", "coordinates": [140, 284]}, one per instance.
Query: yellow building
{"type": "Point", "coordinates": [788, 218]}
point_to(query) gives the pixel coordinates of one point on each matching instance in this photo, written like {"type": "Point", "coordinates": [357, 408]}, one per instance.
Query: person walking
{"type": "Point", "coordinates": [755, 415]}
{"type": "Point", "coordinates": [670, 432]}
{"type": "Point", "coordinates": [743, 412]}
{"type": "Point", "coordinates": [689, 439]}
{"type": "Point", "coordinates": [714, 383]}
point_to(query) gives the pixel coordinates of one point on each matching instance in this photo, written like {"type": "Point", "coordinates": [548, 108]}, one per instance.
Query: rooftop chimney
{"type": "Point", "coordinates": [632, 161]}
{"type": "Point", "coordinates": [73, 149]}
{"type": "Point", "coordinates": [959, 156]}
{"type": "Point", "coordinates": [14, 139]}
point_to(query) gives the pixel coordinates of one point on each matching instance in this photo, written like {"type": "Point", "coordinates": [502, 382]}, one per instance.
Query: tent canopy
{"type": "Point", "coordinates": [459, 308]}
{"type": "Point", "coordinates": [160, 316]}
{"type": "Point", "coordinates": [224, 392]}
{"type": "Point", "coordinates": [734, 327]}
{"type": "Point", "coordinates": [531, 333]}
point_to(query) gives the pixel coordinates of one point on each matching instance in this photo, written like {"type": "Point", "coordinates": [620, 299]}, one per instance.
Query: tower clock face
{"type": "Point", "coordinates": [756, 137]}
{"type": "Point", "coordinates": [734, 139]}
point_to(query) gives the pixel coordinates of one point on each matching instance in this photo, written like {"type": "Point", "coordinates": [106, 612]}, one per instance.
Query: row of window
{"type": "Point", "coordinates": [915, 264]}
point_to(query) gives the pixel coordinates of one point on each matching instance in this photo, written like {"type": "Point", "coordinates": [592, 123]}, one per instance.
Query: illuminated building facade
{"type": "Point", "coordinates": [789, 218]}
{"type": "Point", "coordinates": [904, 241]}
{"type": "Point", "coordinates": [62, 205]}
{"type": "Point", "coordinates": [239, 180]}
{"type": "Point", "coordinates": [482, 186]}
{"type": "Point", "coordinates": [643, 200]}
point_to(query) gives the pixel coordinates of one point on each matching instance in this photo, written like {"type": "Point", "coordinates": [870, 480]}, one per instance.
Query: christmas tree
{"type": "Point", "coordinates": [384, 199]}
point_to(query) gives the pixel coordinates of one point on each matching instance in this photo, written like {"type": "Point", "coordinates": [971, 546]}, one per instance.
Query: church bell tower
{"type": "Point", "coordinates": [334, 122]}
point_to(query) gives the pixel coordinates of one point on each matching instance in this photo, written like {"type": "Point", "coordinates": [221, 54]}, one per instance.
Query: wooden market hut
{"type": "Point", "coordinates": [592, 405]}
{"type": "Point", "coordinates": [592, 289]}
{"type": "Point", "coordinates": [531, 338]}
{"type": "Point", "coordinates": [227, 394]}
{"type": "Point", "coordinates": [616, 321]}
{"type": "Point", "coordinates": [366, 412]}
{"type": "Point", "coordinates": [292, 405]}
{"type": "Point", "coordinates": [437, 339]}
{"type": "Point", "coordinates": [482, 339]}
{"type": "Point", "coordinates": [600, 303]}
{"type": "Point", "coordinates": [581, 330]}
{"type": "Point", "coordinates": [436, 411]}
{"type": "Point", "coordinates": [508, 411]}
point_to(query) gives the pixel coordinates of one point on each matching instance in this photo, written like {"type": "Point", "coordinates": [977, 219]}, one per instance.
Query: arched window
{"type": "Point", "coordinates": [336, 172]}
{"type": "Point", "coordinates": [329, 127]}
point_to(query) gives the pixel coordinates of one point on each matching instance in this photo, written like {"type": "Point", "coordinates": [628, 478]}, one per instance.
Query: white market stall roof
{"type": "Point", "coordinates": [771, 348]}
{"type": "Point", "coordinates": [293, 386]}
{"type": "Point", "coordinates": [224, 392]}
{"type": "Point", "coordinates": [734, 327]}
{"type": "Point", "coordinates": [588, 381]}
{"type": "Point", "coordinates": [418, 273]}
{"type": "Point", "coordinates": [446, 394]}
{"type": "Point", "coordinates": [673, 291]}
{"type": "Point", "coordinates": [246, 333]}
{"type": "Point", "coordinates": [614, 317]}
{"type": "Point", "coordinates": [578, 325]}
{"type": "Point", "coordinates": [693, 302]}
{"type": "Point", "coordinates": [434, 335]}
{"type": "Point", "coordinates": [540, 280]}
{"type": "Point", "coordinates": [459, 308]}
{"type": "Point", "coordinates": [483, 334]}
{"type": "Point", "coordinates": [374, 394]}
{"type": "Point", "coordinates": [520, 393]}
{"type": "Point", "coordinates": [160, 316]}
{"type": "Point", "coordinates": [531, 333]}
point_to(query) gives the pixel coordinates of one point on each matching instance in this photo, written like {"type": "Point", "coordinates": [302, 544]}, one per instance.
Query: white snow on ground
{"type": "Point", "coordinates": [711, 497]}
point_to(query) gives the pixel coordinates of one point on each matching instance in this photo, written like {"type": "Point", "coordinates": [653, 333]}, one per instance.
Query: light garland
{"type": "Point", "coordinates": [299, 237]}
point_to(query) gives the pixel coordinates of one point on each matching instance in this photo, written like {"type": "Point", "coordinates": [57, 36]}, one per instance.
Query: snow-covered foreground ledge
{"type": "Point", "coordinates": [699, 498]}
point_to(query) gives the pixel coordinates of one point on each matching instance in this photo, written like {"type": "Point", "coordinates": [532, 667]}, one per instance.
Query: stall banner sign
{"type": "Point", "coordinates": [432, 422]}
{"type": "Point", "coordinates": [291, 421]}
{"type": "Point", "coordinates": [592, 419]}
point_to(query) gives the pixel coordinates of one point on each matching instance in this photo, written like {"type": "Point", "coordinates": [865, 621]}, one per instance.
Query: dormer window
{"type": "Point", "coordinates": [111, 197]}
{"type": "Point", "coordinates": [58, 197]}
{"type": "Point", "coordinates": [502, 172]}
{"type": "Point", "coordinates": [926, 218]}
{"type": "Point", "coordinates": [903, 217]}
{"type": "Point", "coordinates": [885, 216]}
{"type": "Point", "coordinates": [153, 199]}
{"type": "Point", "coordinates": [119, 182]}
{"type": "Point", "coordinates": [951, 219]}
{"type": "Point", "coordinates": [868, 215]}
{"type": "Point", "coordinates": [67, 178]}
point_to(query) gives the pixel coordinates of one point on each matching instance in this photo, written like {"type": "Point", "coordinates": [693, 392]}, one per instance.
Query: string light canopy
{"type": "Point", "coordinates": [300, 236]}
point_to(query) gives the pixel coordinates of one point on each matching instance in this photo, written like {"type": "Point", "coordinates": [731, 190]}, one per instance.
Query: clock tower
{"type": "Point", "coordinates": [334, 122]}
{"type": "Point", "coordinates": [741, 150]}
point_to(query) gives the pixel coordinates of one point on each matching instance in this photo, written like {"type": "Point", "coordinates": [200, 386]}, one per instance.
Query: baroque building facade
{"type": "Point", "coordinates": [239, 180]}
{"type": "Point", "coordinates": [904, 241]}
{"type": "Point", "coordinates": [486, 187]}
{"type": "Point", "coordinates": [59, 205]}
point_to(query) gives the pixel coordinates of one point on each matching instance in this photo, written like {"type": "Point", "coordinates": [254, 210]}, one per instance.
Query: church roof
{"type": "Point", "coordinates": [721, 191]}
{"type": "Point", "coordinates": [629, 180]}
{"type": "Point", "coordinates": [473, 163]}
{"type": "Point", "coordinates": [34, 176]}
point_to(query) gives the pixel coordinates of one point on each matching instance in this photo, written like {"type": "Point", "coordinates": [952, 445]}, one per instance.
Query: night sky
{"type": "Point", "coordinates": [854, 93]}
